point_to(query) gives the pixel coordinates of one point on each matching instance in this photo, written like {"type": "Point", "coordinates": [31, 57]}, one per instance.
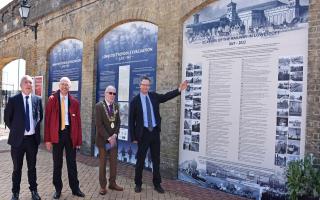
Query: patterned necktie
{"type": "Point", "coordinates": [110, 109]}
{"type": "Point", "coordinates": [63, 113]}
{"type": "Point", "coordinates": [149, 118]}
{"type": "Point", "coordinates": [27, 115]}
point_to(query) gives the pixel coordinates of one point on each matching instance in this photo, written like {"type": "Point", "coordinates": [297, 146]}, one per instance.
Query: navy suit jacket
{"type": "Point", "coordinates": [136, 112]}
{"type": "Point", "coordinates": [14, 118]}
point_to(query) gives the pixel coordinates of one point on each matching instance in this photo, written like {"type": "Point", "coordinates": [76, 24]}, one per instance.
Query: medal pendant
{"type": "Point", "coordinates": [112, 125]}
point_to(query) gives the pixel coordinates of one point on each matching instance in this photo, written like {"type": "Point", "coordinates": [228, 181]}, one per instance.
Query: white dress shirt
{"type": "Point", "coordinates": [66, 117]}
{"type": "Point", "coordinates": [31, 131]}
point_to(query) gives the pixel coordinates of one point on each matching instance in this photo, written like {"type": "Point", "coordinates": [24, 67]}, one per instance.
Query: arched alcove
{"type": "Point", "coordinates": [125, 53]}
{"type": "Point", "coordinates": [11, 75]}
{"type": "Point", "coordinates": [65, 60]}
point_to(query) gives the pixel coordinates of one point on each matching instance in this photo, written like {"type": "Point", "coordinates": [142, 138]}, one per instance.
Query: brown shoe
{"type": "Point", "coordinates": [115, 187]}
{"type": "Point", "coordinates": [103, 191]}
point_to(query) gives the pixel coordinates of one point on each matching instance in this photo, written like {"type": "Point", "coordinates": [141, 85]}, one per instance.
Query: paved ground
{"type": "Point", "coordinates": [88, 177]}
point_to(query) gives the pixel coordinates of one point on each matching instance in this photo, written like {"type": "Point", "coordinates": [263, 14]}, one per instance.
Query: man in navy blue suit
{"type": "Point", "coordinates": [145, 127]}
{"type": "Point", "coordinates": [23, 115]}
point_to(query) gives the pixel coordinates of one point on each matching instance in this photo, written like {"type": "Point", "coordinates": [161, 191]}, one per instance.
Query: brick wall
{"type": "Point", "coordinates": [313, 106]}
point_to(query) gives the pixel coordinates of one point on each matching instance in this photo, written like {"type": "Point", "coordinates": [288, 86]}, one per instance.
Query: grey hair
{"type": "Point", "coordinates": [110, 87]}
{"type": "Point", "coordinates": [65, 79]}
{"type": "Point", "coordinates": [25, 77]}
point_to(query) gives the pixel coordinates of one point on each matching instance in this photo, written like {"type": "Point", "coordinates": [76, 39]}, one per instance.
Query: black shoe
{"type": "Point", "coordinates": [15, 196]}
{"type": "Point", "coordinates": [159, 189]}
{"type": "Point", "coordinates": [78, 193]}
{"type": "Point", "coordinates": [35, 195]}
{"type": "Point", "coordinates": [56, 195]}
{"type": "Point", "coordinates": [137, 189]}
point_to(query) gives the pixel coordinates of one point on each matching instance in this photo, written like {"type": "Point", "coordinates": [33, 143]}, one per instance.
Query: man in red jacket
{"type": "Point", "coordinates": [63, 131]}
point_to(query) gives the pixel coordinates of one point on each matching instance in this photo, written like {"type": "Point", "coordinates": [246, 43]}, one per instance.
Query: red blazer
{"type": "Point", "coordinates": [52, 120]}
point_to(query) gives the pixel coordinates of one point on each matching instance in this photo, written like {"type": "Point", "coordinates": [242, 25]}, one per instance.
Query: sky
{"type": "Point", "coordinates": [3, 3]}
{"type": "Point", "coordinates": [10, 79]}
{"type": "Point", "coordinates": [10, 73]}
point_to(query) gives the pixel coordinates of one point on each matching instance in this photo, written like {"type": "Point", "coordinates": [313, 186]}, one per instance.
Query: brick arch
{"type": "Point", "coordinates": [16, 48]}
{"type": "Point", "coordinates": [54, 44]}
{"type": "Point", "coordinates": [195, 9]}
{"type": "Point", "coordinates": [129, 15]}
{"type": "Point", "coordinates": [47, 55]}
{"type": "Point", "coordinates": [6, 60]}
{"type": "Point", "coordinates": [110, 28]}
{"type": "Point", "coordinates": [57, 42]}
{"type": "Point", "coordinates": [116, 25]}
{"type": "Point", "coordinates": [11, 55]}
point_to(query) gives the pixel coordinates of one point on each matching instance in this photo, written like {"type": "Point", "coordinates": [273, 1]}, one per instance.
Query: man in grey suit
{"type": "Point", "coordinates": [23, 115]}
{"type": "Point", "coordinates": [107, 130]}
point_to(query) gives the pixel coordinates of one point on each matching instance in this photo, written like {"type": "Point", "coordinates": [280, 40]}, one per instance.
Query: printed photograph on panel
{"type": "Point", "coordinates": [296, 76]}
{"type": "Point", "coordinates": [189, 73]}
{"type": "Point", "coordinates": [197, 73]}
{"type": "Point", "coordinates": [282, 121]}
{"type": "Point", "coordinates": [124, 113]}
{"type": "Point", "coordinates": [187, 124]}
{"type": "Point", "coordinates": [198, 67]}
{"type": "Point", "coordinates": [196, 106]}
{"type": "Point", "coordinates": [196, 91]}
{"type": "Point", "coordinates": [282, 131]}
{"type": "Point", "coordinates": [187, 142]}
{"type": "Point", "coordinates": [293, 147]}
{"type": "Point", "coordinates": [243, 19]}
{"type": "Point", "coordinates": [283, 74]}
{"type": "Point", "coordinates": [298, 68]}
{"type": "Point", "coordinates": [280, 160]}
{"type": "Point", "coordinates": [295, 87]}
{"type": "Point", "coordinates": [283, 94]}
{"type": "Point", "coordinates": [187, 132]}
{"type": "Point", "coordinates": [282, 112]}
{"type": "Point", "coordinates": [295, 108]}
{"type": "Point", "coordinates": [297, 60]}
{"type": "Point", "coordinates": [281, 135]}
{"type": "Point", "coordinates": [295, 122]}
{"type": "Point", "coordinates": [195, 126]}
{"type": "Point", "coordinates": [196, 115]}
{"type": "Point", "coordinates": [296, 96]}
{"type": "Point", "coordinates": [188, 113]}
{"type": "Point", "coordinates": [294, 134]}
{"type": "Point", "coordinates": [194, 146]}
{"type": "Point", "coordinates": [189, 67]}
{"type": "Point", "coordinates": [281, 146]}
{"type": "Point", "coordinates": [195, 137]}
{"type": "Point", "coordinates": [197, 80]}
{"type": "Point", "coordinates": [282, 103]}
{"type": "Point", "coordinates": [283, 85]}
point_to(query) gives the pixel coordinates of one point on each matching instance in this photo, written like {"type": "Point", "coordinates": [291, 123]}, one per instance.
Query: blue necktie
{"type": "Point", "coordinates": [27, 121]}
{"type": "Point", "coordinates": [150, 127]}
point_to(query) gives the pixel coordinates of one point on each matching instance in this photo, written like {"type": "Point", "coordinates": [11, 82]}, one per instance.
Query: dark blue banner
{"type": "Point", "coordinates": [124, 55]}
{"type": "Point", "coordinates": [65, 59]}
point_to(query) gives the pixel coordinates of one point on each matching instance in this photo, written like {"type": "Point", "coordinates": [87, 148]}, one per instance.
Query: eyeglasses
{"type": "Point", "coordinates": [112, 93]}
{"type": "Point", "coordinates": [147, 85]}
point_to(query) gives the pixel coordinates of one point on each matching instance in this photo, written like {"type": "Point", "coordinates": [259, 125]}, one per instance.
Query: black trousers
{"type": "Point", "coordinates": [57, 154]}
{"type": "Point", "coordinates": [29, 147]}
{"type": "Point", "coordinates": [149, 140]}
